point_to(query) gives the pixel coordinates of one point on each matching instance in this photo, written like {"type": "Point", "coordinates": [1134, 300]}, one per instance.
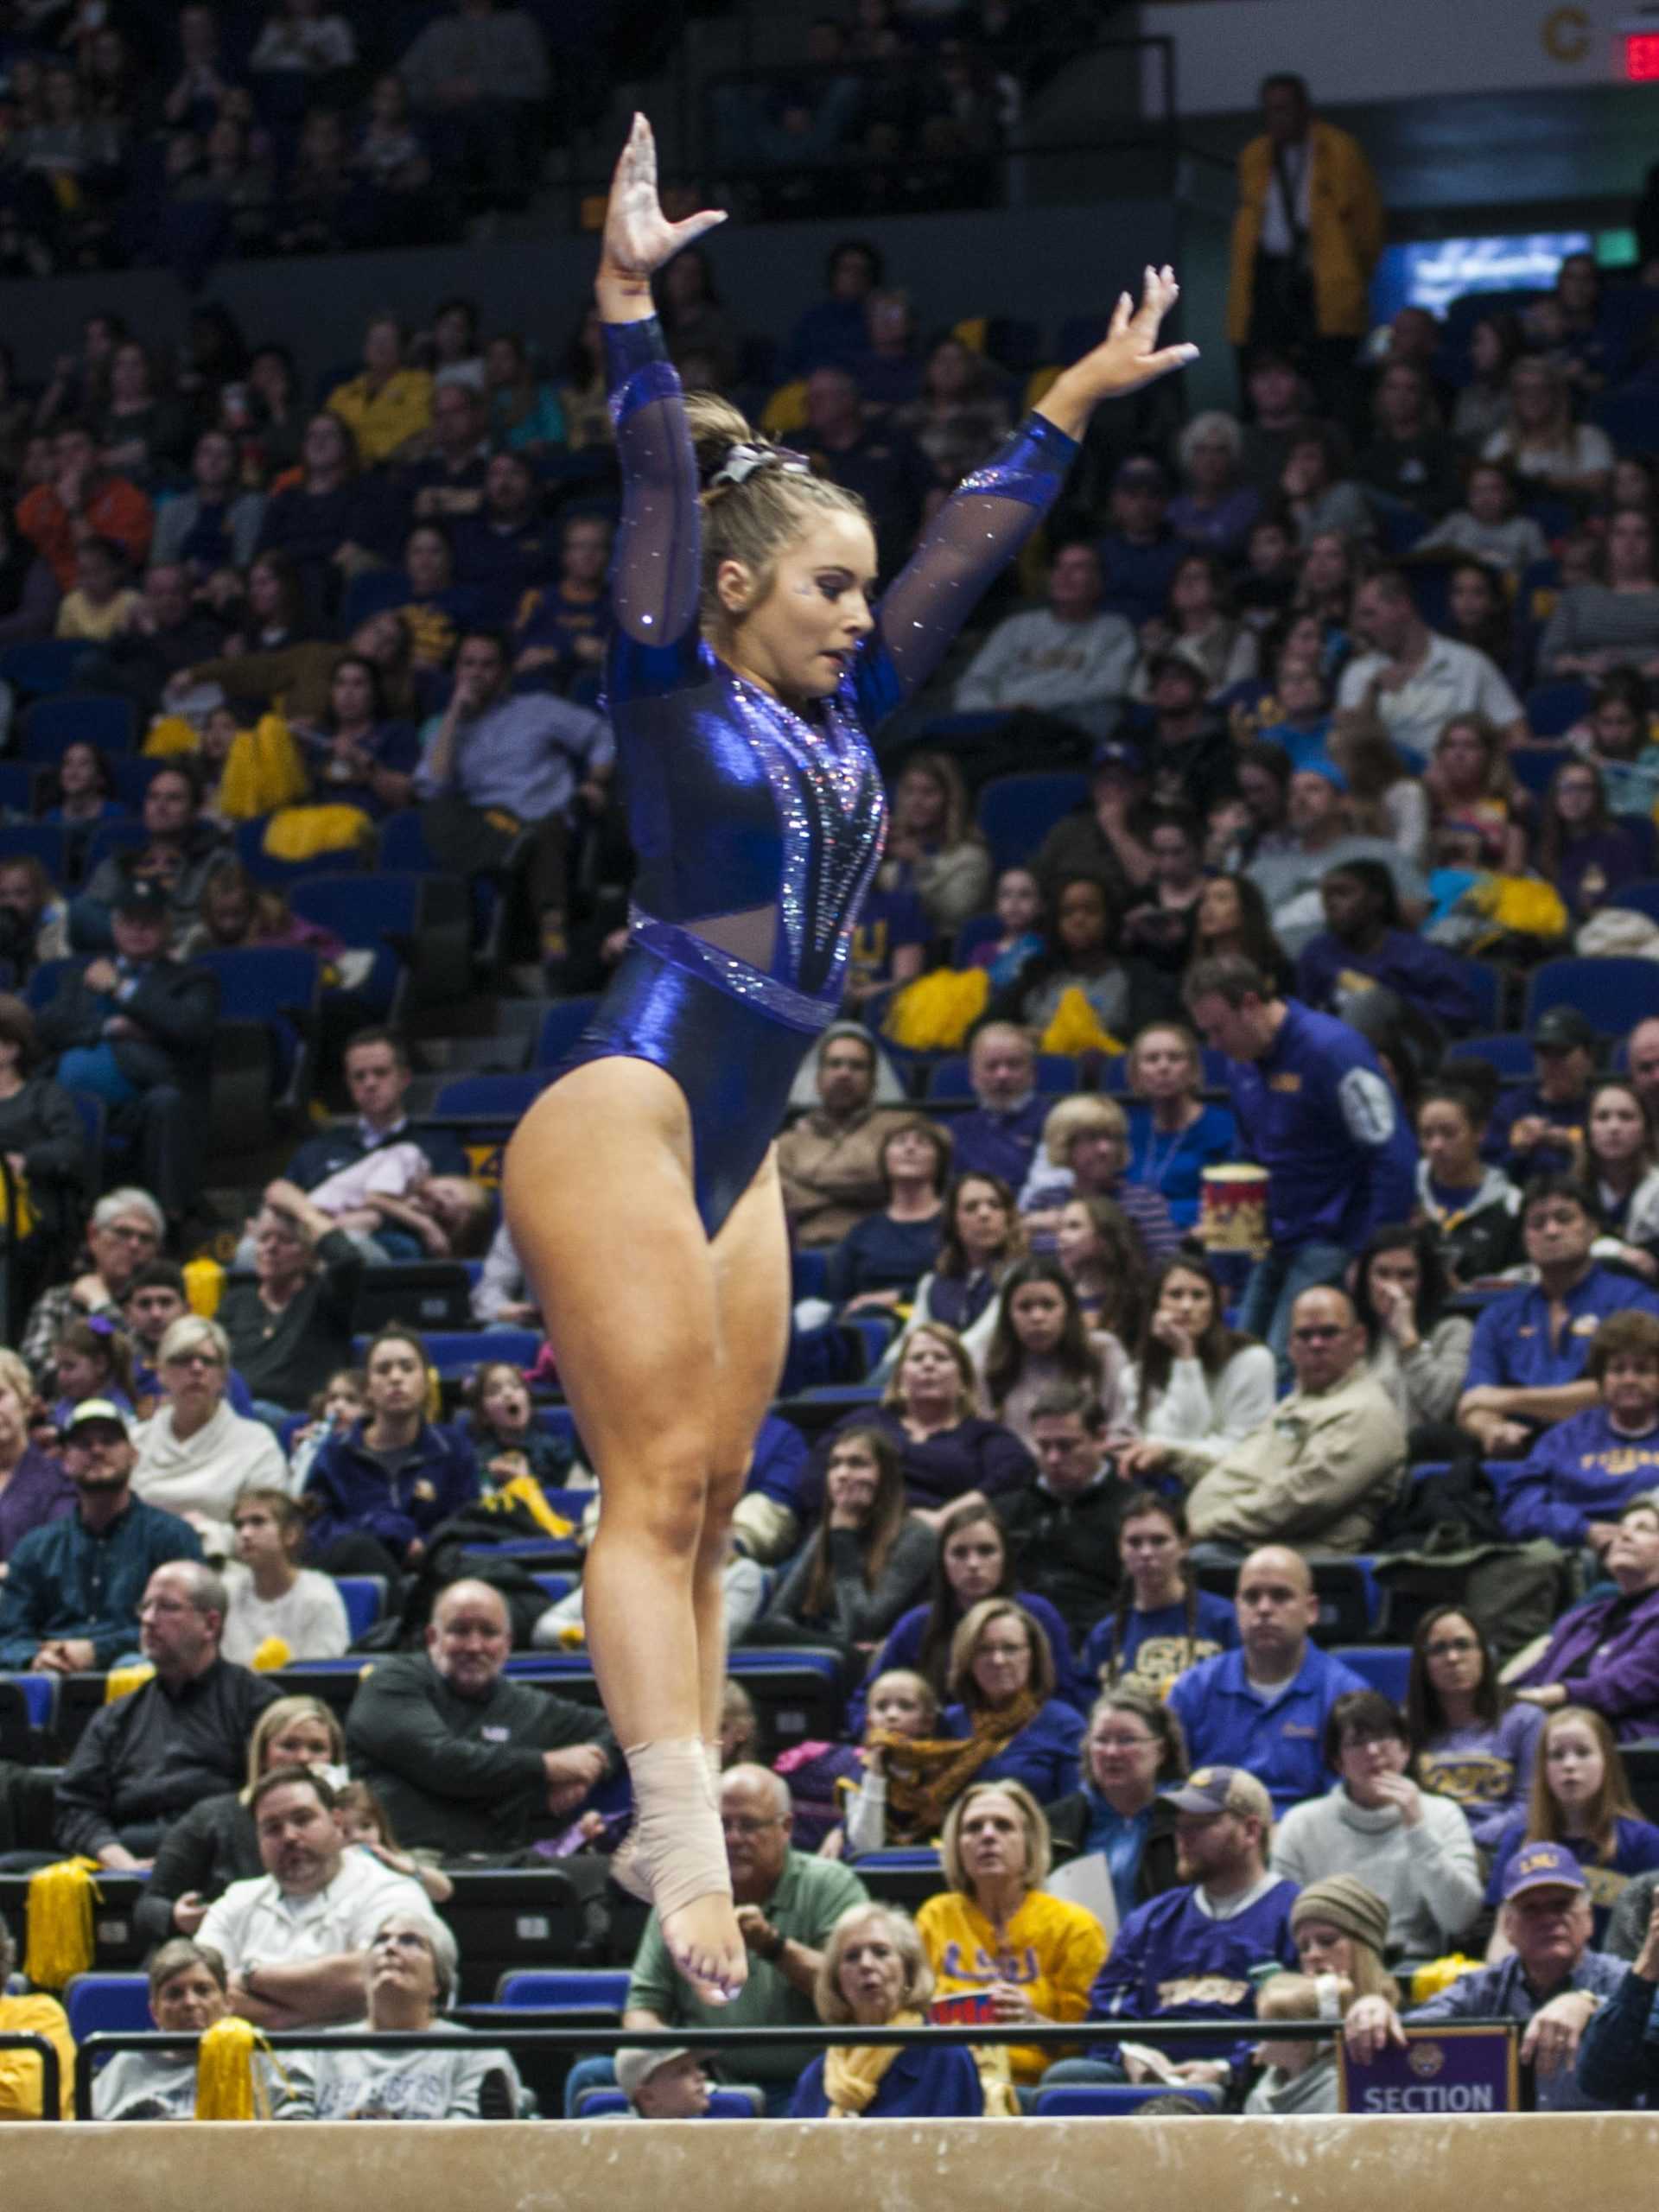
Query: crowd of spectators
{"type": "Point", "coordinates": [1102, 1449]}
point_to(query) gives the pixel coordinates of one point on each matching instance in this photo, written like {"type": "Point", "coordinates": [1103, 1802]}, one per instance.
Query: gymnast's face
{"type": "Point", "coordinates": [796, 639]}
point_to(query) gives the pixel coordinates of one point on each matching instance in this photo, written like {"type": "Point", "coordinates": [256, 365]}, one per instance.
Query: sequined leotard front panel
{"type": "Point", "coordinates": [737, 805]}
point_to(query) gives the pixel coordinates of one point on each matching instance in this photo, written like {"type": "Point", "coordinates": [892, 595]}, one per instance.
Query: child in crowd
{"type": "Point", "coordinates": [91, 1360]}
{"type": "Point", "coordinates": [333, 1412]}
{"type": "Point", "coordinates": [86, 789]}
{"type": "Point", "coordinates": [1019, 937]}
{"type": "Point", "coordinates": [363, 1819]}
{"type": "Point", "coordinates": [392, 1204]}
{"type": "Point", "coordinates": [507, 1442]}
{"type": "Point", "coordinates": [273, 1599]}
{"type": "Point", "coordinates": [103, 602]}
{"type": "Point", "coordinates": [1487, 525]}
{"type": "Point", "coordinates": [1616, 737]}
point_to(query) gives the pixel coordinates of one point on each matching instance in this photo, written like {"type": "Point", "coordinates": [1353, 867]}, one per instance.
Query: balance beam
{"type": "Point", "coordinates": [1509, 2163]}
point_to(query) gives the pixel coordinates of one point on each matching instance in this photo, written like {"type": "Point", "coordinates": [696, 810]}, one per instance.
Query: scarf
{"type": "Point", "coordinates": [926, 1776]}
{"type": "Point", "coordinates": [853, 2072]}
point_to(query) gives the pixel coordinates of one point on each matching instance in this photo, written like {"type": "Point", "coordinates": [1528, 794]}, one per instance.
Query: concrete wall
{"type": "Point", "coordinates": [1044, 263]}
{"type": "Point", "coordinates": [1514, 2163]}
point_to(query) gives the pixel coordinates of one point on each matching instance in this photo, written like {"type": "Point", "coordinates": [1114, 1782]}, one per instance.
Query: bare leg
{"type": "Point", "coordinates": [600, 1198]}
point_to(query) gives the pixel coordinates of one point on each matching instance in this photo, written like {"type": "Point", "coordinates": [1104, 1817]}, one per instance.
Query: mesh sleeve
{"type": "Point", "coordinates": [658, 548]}
{"type": "Point", "coordinates": [980, 529]}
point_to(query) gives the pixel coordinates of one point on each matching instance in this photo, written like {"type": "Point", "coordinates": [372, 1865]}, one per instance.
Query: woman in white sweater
{"type": "Point", "coordinates": [195, 1455]}
{"type": "Point", "coordinates": [1412, 1847]}
{"type": "Point", "coordinates": [1194, 1382]}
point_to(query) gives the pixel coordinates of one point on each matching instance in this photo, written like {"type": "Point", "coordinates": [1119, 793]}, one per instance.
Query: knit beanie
{"type": "Point", "coordinates": [1345, 1902]}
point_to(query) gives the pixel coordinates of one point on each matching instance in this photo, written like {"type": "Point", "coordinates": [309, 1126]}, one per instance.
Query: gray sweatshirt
{"type": "Point", "coordinates": [1427, 1876]}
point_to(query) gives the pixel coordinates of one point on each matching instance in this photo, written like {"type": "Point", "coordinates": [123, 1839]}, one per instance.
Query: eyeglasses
{"type": "Point", "coordinates": [197, 1358]}
{"type": "Point", "coordinates": [1451, 1647]}
{"type": "Point", "coordinates": [129, 1232]}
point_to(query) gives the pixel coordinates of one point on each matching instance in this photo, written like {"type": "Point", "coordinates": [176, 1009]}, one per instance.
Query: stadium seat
{"type": "Point", "coordinates": [1641, 897]}
{"type": "Point", "coordinates": [44, 666]}
{"type": "Point", "coordinates": [40, 840]}
{"type": "Point", "coordinates": [565, 1022]}
{"type": "Point", "coordinates": [566, 1989]}
{"type": "Point", "coordinates": [1614, 993]}
{"type": "Point", "coordinates": [457, 1352]}
{"type": "Point", "coordinates": [808, 1273]}
{"type": "Point", "coordinates": [132, 773]}
{"type": "Point", "coordinates": [1108, 2100]}
{"type": "Point", "coordinates": [113, 837]}
{"type": "Point", "coordinates": [947, 1080]}
{"type": "Point", "coordinates": [490, 1098]}
{"type": "Point", "coordinates": [1385, 1667]}
{"type": "Point", "coordinates": [1534, 766]}
{"type": "Point", "coordinates": [1552, 709]}
{"type": "Point", "coordinates": [732, 2101]}
{"type": "Point", "coordinates": [284, 875]}
{"type": "Point", "coordinates": [1016, 813]}
{"type": "Point", "coordinates": [977, 930]}
{"type": "Point", "coordinates": [1510, 1053]}
{"type": "Point", "coordinates": [365, 1598]}
{"type": "Point", "coordinates": [107, 2004]}
{"type": "Point", "coordinates": [1642, 1771]}
{"type": "Point", "coordinates": [29, 1706]}
{"type": "Point", "coordinates": [50, 726]}
{"type": "Point", "coordinates": [557, 1586]}
{"type": "Point", "coordinates": [16, 792]}
{"type": "Point", "coordinates": [1485, 984]}
{"type": "Point", "coordinates": [269, 997]}
{"type": "Point", "coordinates": [380, 913]}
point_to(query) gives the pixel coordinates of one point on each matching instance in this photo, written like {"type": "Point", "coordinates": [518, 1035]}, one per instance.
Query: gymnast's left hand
{"type": "Point", "coordinates": [1127, 358]}
{"type": "Point", "coordinates": [638, 236]}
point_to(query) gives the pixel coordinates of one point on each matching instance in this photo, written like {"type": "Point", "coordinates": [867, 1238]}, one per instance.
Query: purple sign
{"type": "Point", "coordinates": [1441, 2070]}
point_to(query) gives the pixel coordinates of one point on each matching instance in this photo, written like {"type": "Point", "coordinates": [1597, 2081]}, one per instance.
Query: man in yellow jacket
{"type": "Point", "coordinates": [1307, 235]}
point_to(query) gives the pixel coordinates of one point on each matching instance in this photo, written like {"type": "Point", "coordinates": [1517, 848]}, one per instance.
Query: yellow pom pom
{"type": "Point", "coordinates": [572, 1637]}
{"type": "Point", "coordinates": [272, 1653]}
{"type": "Point", "coordinates": [61, 1922]}
{"type": "Point", "coordinates": [229, 2084]}
{"type": "Point", "coordinates": [121, 1681]}
{"type": "Point", "coordinates": [1439, 1973]}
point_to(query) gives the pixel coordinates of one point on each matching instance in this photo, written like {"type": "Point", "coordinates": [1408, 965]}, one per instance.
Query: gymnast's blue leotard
{"type": "Point", "coordinates": [737, 806]}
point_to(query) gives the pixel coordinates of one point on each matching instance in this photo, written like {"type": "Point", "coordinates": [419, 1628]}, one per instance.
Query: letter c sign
{"type": "Point", "coordinates": [1566, 34]}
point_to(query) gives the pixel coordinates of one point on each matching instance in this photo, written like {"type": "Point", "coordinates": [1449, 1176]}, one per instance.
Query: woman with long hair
{"type": "Point", "coordinates": [1002, 1701]}
{"type": "Point", "coordinates": [866, 1563]}
{"type": "Point", "coordinates": [1416, 1353]}
{"type": "Point", "coordinates": [951, 1453]}
{"type": "Point", "coordinates": [1080, 954]}
{"type": "Point", "coordinates": [933, 849]}
{"type": "Point", "coordinates": [982, 1240]}
{"type": "Point", "coordinates": [1540, 439]}
{"type": "Point", "coordinates": [1133, 1749]}
{"type": "Point", "coordinates": [745, 644]}
{"type": "Point", "coordinates": [878, 1264]}
{"type": "Point", "coordinates": [1580, 1798]}
{"type": "Point", "coordinates": [1477, 807]}
{"type": "Point", "coordinates": [1470, 1740]}
{"type": "Point", "coordinates": [973, 1562]}
{"type": "Point", "coordinates": [1084, 1152]}
{"type": "Point", "coordinates": [1470, 1208]}
{"type": "Point", "coordinates": [1233, 917]}
{"type": "Point", "coordinates": [1041, 1340]}
{"type": "Point", "coordinates": [1599, 626]}
{"type": "Point", "coordinates": [960, 415]}
{"type": "Point", "coordinates": [1174, 1134]}
{"type": "Point", "coordinates": [1104, 1265]}
{"type": "Point", "coordinates": [1615, 737]}
{"type": "Point", "coordinates": [1617, 1154]}
{"type": "Point", "coordinates": [1583, 849]}
{"type": "Point", "coordinates": [1162, 1623]}
{"type": "Point", "coordinates": [1196, 1382]}
{"type": "Point", "coordinates": [1200, 625]}
{"type": "Point", "coordinates": [1495, 344]}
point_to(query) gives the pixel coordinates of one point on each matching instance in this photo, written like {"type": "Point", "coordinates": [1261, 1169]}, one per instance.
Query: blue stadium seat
{"type": "Point", "coordinates": [287, 875]}
{"type": "Point", "coordinates": [132, 773]}
{"type": "Point", "coordinates": [371, 911]}
{"type": "Point", "coordinates": [1641, 897]}
{"type": "Point", "coordinates": [457, 1352]}
{"type": "Point", "coordinates": [44, 666]}
{"type": "Point", "coordinates": [39, 841]}
{"type": "Point", "coordinates": [809, 1273]}
{"type": "Point", "coordinates": [1510, 1053]}
{"type": "Point", "coordinates": [492, 1097]}
{"type": "Point", "coordinates": [17, 792]}
{"type": "Point", "coordinates": [731, 2102]}
{"type": "Point", "coordinates": [1057, 1073]}
{"type": "Point", "coordinates": [556, 1586]}
{"type": "Point", "coordinates": [42, 985]}
{"type": "Point", "coordinates": [365, 1597]}
{"type": "Point", "coordinates": [564, 1023]}
{"type": "Point", "coordinates": [1627, 418]}
{"type": "Point", "coordinates": [404, 846]}
{"type": "Point", "coordinates": [565, 1989]}
{"type": "Point", "coordinates": [1535, 767]}
{"type": "Point", "coordinates": [40, 1696]}
{"type": "Point", "coordinates": [94, 1116]}
{"type": "Point", "coordinates": [278, 985]}
{"type": "Point", "coordinates": [977, 930]}
{"type": "Point", "coordinates": [107, 2004]}
{"type": "Point", "coordinates": [1485, 984]}
{"type": "Point", "coordinates": [1552, 709]}
{"type": "Point", "coordinates": [114, 837]}
{"type": "Point", "coordinates": [1614, 993]}
{"type": "Point", "coordinates": [52, 725]}
{"type": "Point", "coordinates": [1108, 2100]}
{"type": "Point", "coordinates": [1016, 813]}
{"type": "Point", "coordinates": [1385, 1667]}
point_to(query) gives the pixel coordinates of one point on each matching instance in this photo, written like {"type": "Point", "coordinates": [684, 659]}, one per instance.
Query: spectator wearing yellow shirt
{"type": "Point", "coordinates": [20, 2070]}
{"type": "Point", "coordinates": [997, 1932]}
{"type": "Point", "coordinates": [389, 407]}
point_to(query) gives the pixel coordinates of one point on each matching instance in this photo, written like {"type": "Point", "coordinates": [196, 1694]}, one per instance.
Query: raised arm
{"type": "Point", "coordinates": [658, 543]}
{"type": "Point", "coordinates": [990, 515]}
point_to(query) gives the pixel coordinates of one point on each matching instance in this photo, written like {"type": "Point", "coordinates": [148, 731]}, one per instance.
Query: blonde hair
{"type": "Point", "coordinates": [1039, 1846]}
{"type": "Point", "coordinates": [752, 522]}
{"type": "Point", "coordinates": [832, 2006]}
{"type": "Point", "coordinates": [192, 1333]}
{"type": "Point", "coordinates": [939, 1332]}
{"type": "Point", "coordinates": [1296, 1996]}
{"type": "Point", "coordinates": [271, 1723]}
{"type": "Point", "coordinates": [1077, 1117]}
{"type": "Point", "coordinates": [15, 1377]}
{"type": "Point", "coordinates": [959, 1685]}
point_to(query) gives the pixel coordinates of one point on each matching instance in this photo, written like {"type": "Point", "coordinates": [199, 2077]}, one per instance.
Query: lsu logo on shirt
{"type": "Point", "coordinates": [1201, 1989]}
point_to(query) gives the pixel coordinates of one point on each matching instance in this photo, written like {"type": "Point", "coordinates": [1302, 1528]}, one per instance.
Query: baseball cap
{"type": "Point", "coordinates": [1326, 769]}
{"type": "Point", "coordinates": [1213, 1789]}
{"type": "Point", "coordinates": [1142, 470]}
{"type": "Point", "coordinates": [1563, 1029]}
{"type": "Point", "coordinates": [635, 2068]}
{"type": "Point", "coordinates": [139, 894]}
{"type": "Point", "coordinates": [92, 1409]}
{"type": "Point", "coordinates": [1542, 1867]}
{"type": "Point", "coordinates": [1118, 753]}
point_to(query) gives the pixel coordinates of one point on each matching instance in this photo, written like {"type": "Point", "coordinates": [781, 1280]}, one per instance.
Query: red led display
{"type": "Point", "coordinates": [1642, 57]}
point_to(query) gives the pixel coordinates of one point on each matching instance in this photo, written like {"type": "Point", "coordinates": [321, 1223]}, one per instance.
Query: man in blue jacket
{"type": "Point", "coordinates": [1580, 1475]}
{"type": "Point", "coordinates": [1264, 1707]}
{"type": "Point", "coordinates": [1527, 1362]}
{"type": "Point", "coordinates": [1316, 1110]}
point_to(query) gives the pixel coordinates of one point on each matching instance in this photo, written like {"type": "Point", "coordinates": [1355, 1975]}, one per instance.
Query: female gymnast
{"type": "Point", "coordinates": [641, 1187]}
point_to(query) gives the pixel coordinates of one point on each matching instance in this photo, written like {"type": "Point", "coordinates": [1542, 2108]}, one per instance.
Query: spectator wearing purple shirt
{"type": "Point", "coordinates": [1581, 1474]}
{"type": "Point", "coordinates": [1000, 1136]}
{"type": "Point", "coordinates": [33, 1488]}
{"type": "Point", "coordinates": [1363, 947]}
{"type": "Point", "coordinates": [1085, 1150]}
{"type": "Point", "coordinates": [1466, 1743]}
{"type": "Point", "coordinates": [1604, 1654]}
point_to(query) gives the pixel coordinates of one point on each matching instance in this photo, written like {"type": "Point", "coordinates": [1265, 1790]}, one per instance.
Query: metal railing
{"type": "Point", "coordinates": [721, 2042]}
{"type": "Point", "coordinates": [51, 2071]}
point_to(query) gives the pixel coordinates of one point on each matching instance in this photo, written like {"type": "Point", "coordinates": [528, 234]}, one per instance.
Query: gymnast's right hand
{"type": "Point", "coordinates": [638, 236]}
